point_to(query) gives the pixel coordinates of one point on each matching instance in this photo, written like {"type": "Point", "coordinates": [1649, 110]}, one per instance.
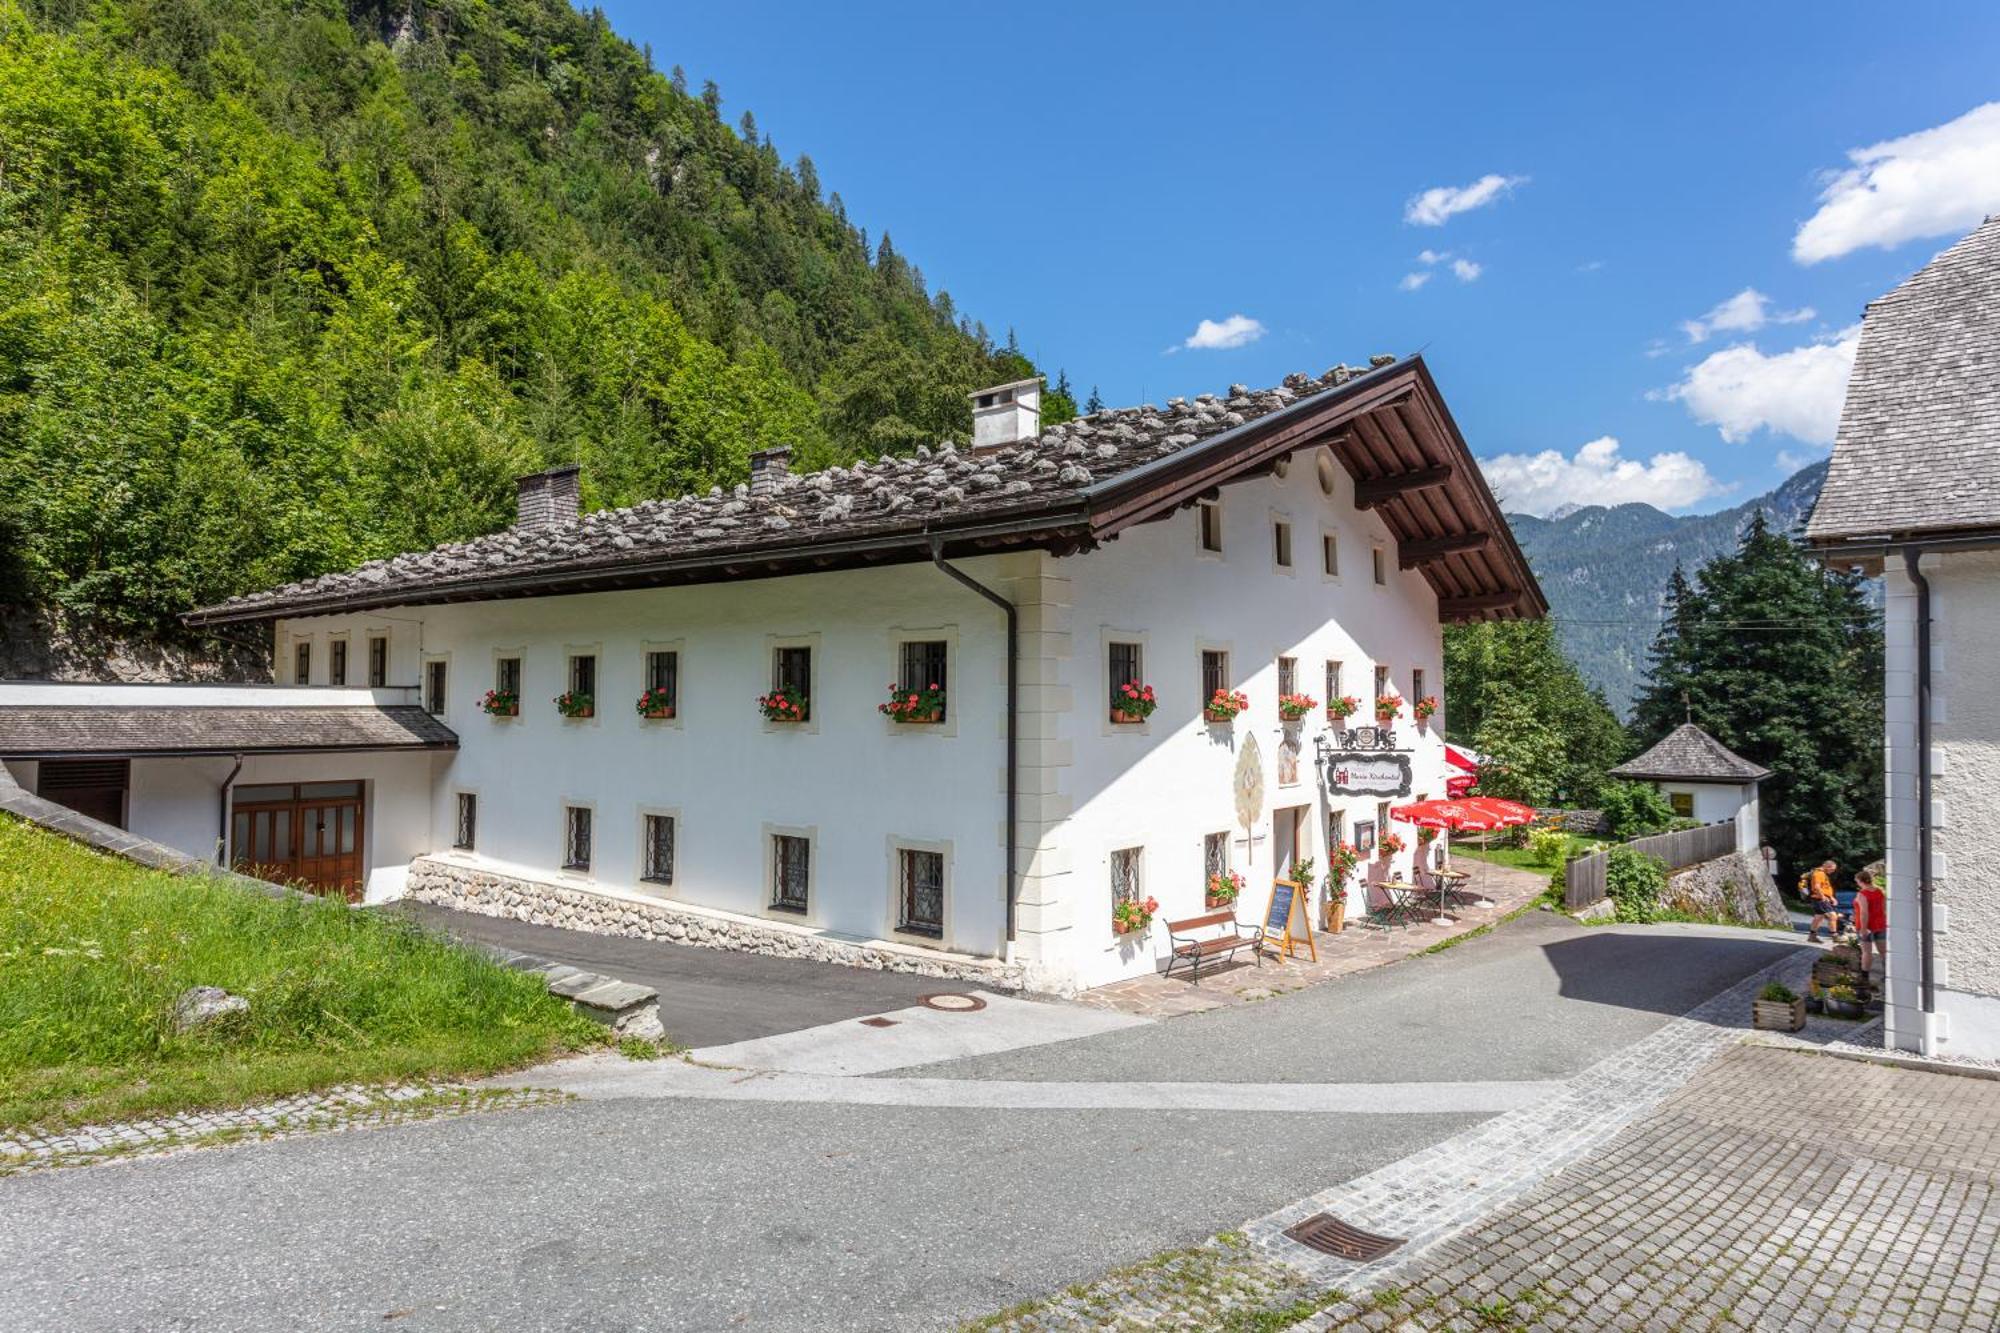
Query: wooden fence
{"type": "Point", "coordinates": [1583, 877]}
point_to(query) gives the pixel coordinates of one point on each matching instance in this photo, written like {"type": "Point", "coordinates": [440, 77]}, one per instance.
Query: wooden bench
{"type": "Point", "coordinates": [1194, 949]}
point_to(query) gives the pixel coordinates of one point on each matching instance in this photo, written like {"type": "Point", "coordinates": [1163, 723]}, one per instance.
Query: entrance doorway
{"type": "Point", "coordinates": [1288, 838]}
{"type": "Point", "coordinates": [307, 834]}
{"type": "Point", "coordinates": [93, 787]}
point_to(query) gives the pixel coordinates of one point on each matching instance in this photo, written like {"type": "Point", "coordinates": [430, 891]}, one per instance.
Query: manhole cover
{"type": "Point", "coordinates": [1329, 1235]}
{"type": "Point", "coordinates": [952, 1002]}
{"type": "Point", "coordinates": [878, 1022]}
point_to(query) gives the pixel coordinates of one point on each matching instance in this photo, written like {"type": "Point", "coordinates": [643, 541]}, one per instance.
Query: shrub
{"type": "Point", "coordinates": [1777, 992]}
{"type": "Point", "coordinates": [1634, 882]}
{"type": "Point", "coordinates": [1635, 809]}
{"type": "Point", "coordinates": [1548, 846]}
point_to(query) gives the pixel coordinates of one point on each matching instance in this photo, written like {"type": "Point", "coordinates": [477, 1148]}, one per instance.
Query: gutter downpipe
{"type": "Point", "coordinates": [1927, 965]}
{"type": "Point", "coordinates": [1013, 709]}
{"type": "Point", "coordinates": [222, 831]}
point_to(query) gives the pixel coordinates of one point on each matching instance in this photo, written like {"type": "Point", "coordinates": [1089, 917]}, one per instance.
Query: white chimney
{"type": "Point", "coordinates": [1007, 414]}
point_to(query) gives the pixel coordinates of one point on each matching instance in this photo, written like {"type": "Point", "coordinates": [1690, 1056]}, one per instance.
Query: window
{"type": "Point", "coordinates": [1382, 817]}
{"type": "Point", "coordinates": [1681, 803]}
{"type": "Point", "coordinates": [1214, 855]}
{"type": "Point", "coordinates": [434, 678]}
{"type": "Point", "coordinates": [467, 830]}
{"type": "Point", "coordinates": [921, 666]}
{"type": "Point", "coordinates": [791, 668]}
{"type": "Point", "coordinates": [1375, 559]}
{"type": "Point", "coordinates": [791, 871]}
{"type": "Point", "coordinates": [1208, 526]}
{"type": "Point", "coordinates": [1281, 543]}
{"type": "Point", "coordinates": [920, 892]}
{"type": "Point", "coordinates": [663, 681]}
{"type": "Point", "coordinates": [1381, 681]}
{"type": "Point", "coordinates": [1336, 828]}
{"type": "Point", "coordinates": [583, 675]}
{"type": "Point", "coordinates": [1332, 681]}
{"type": "Point", "coordinates": [378, 661]}
{"type": "Point", "coordinates": [657, 866]}
{"type": "Point", "coordinates": [1329, 555]}
{"type": "Point", "coordinates": [1214, 673]}
{"type": "Point", "coordinates": [1125, 875]}
{"type": "Point", "coordinates": [302, 662]}
{"type": "Point", "coordinates": [1416, 682]}
{"type": "Point", "coordinates": [336, 662]}
{"type": "Point", "coordinates": [576, 837]}
{"type": "Point", "coordinates": [1288, 675]}
{"type": "Point", "coordinates": [1125, 666]}
{"type": "Point", "coordinates": [507, 676]}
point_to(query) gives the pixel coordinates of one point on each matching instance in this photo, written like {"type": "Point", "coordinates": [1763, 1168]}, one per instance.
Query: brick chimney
{"type": "Point", "coordinates": [548, 499]}
{"type": "Point", "coordinates": [1006, 414]}
{"type": "Point", "coordinates": [768, 468]}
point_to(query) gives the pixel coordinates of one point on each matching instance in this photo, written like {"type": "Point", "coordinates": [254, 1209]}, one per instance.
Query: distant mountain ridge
{"type": "Point", "coordinates": [1606, 569]}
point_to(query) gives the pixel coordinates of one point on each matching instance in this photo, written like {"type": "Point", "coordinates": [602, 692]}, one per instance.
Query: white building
{"type": "Point", "coordinates": [1913, 494]}
{"type": "Point", "coordinates": [1704, 780]}
{"type": "Point", "coordinates": [1308, 539]}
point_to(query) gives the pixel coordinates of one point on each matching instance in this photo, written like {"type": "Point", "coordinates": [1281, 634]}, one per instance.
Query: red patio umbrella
{"type": "Point", "coordinates": [1476, 814]}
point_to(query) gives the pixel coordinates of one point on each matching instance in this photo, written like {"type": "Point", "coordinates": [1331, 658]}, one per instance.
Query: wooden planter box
{"type": "Point", "coordinates": [1778, 1015]}
{"type": "Point", "coordinates": [658, 714]}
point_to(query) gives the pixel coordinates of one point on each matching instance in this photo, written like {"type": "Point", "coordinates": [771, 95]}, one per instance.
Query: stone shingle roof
{"type": "Point", "coordinates": [31, 731]}
{"type": "Point", "coordinates": [1037, 485]}
{"type": "Point", "coordinates": [1689, 754]}
{"type": "Point", "coordinates": [1919, 443]}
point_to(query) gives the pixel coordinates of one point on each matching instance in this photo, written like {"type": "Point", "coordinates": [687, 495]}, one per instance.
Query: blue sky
{"type": "Point", "coordinates": [1588, 182]}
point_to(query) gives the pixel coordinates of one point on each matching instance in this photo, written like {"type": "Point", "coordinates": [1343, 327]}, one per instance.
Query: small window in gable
{"type": "Point", "coordinates": [1208, 526]}
{"type": "Point", "coordinates": [1329, 555]}
{"type": "Point", "coordinates": [1281, 543]}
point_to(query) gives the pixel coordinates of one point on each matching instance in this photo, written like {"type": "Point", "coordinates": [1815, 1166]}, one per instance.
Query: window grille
{"type": "Point", "coordinates": [1124, 667]}
{"type": "Point", "coordinates": [791, 871]}
{"type": "Point", "coordinates": [1336, 828]}
{"type": "Point", "coordinates": [434, 682]}
{"type": "Point", "coordinates": [1281, 544]}
{"type": "Point", "coordinates": [1214, 855]}
{"type": "Point", "coordinates": [1381, 682]}
{"type": "Point", "coordinates": [659, 864]}
{"type": "Point", "coordinates": [1288, 675]}
{"type": "Point", "coordinates": [583, 675]}
{"type": "Point", "coordinates": [921, 880]}
{"type": "Point", "coordinates": [923, 665]}
{"type": "Point", "coordinates": [1416, 683]}
{"type": "Point", "coordinates": [663, 672]}
{"type": "Point", "coordinates": [507, 676]}
{"type": "Point", "coordinates": [1214, 673]}
{"type": "Point", "coordinates": [467, 831]}
{"type": "Point", "coordinates": [336, 662]}
{"type": "Point", "coordinates": [378, 662]}
{"type": "Point", "coordinates": [791, 668]}
{"type": "Point", "coordinates": [1125, 875]}
{"type": "Point", "coordinates": [1332, 681]}
{"type": "Point", "coordinates": [576, 838]}
{"type": "Point", "coordinates": [302, 663]}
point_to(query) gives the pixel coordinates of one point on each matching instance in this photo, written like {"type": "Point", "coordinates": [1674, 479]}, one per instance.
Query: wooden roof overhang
{"type": "Point", "coordinates": [1396, 438]}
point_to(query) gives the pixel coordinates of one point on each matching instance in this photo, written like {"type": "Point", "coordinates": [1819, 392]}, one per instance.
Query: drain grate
{"type": "Point", "coordinates": [952, 1002]}
{"type": "Point", "coordinates": [1329, 1235]}
{"type": "Point", "coordinates": [878, 1022]}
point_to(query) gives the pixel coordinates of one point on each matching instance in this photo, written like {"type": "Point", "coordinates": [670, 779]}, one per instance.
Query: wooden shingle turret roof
{"type": "Point", "coordinates": [1689, 754]}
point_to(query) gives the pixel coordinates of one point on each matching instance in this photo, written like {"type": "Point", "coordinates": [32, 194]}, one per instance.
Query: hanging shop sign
{"type": "Point", "coordinates": [1360, 773]}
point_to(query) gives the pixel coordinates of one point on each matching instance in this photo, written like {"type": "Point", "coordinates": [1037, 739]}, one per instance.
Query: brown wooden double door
{"type": "Point", "coordinates": [308, 834]}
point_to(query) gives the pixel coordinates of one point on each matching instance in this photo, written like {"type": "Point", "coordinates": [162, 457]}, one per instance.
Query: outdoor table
{"type": "Point", "coordinates": [1449, 882]}
{"type": "Point", "coordinates": [1409, 891]}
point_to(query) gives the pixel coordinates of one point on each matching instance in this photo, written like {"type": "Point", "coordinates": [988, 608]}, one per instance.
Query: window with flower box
{"type": "Point", "coordinates": [576, 838]}
{"type": "Point", "coordinates": [1416, 682]}
{"type": "Point", "coordinates": [920, 670]}
{"type": "Point", "coordinates": [302, 662]}
{"type": "Point", "coordinates": [663, 684]}
{"type": "Point", "coordinates": [657, 860]}
{"type": "Point", "coordinates": [466, 831]}
{"type": "Point", "coordinates": [1125, 665]}
{"type": "Point", "coordinates": [1381, 682]}
{"type": "Point", "coordinates": [791, 670]}
{"type": "Point", "coordinates": [1288, 675]}
{"type": "Point", "coordinates": [920, 892]}
{"type": "Point", "coordinates": [506, 695]}
{"type": "Point", "coordinates": [1126, 875]}
{"type": "Point", "coordinates": [1214, 855]}
{"type": "Point", "coordinates": [1214, 672]}
{"type": "Point", "coordinates": [791, 872]}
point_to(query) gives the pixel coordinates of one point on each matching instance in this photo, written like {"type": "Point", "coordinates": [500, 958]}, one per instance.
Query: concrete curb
{"type": "Point", "coordinates": [628, 1009]}
{"type": "Point", "coordinates": [1890, 1058]}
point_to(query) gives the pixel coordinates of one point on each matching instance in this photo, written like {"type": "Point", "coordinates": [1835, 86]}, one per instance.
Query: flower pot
{"type": "Point", "coordinates": [1126, 719]}
{"type": "Point", "coordinates": [1778, 1015]}
{"type": "Point", "coordinates": [1815, 1005]}
{"type": "Point", "coordinates": [1844, 1008]}
{"type": "Point", "coordinates": [920, 720]}
{"type": "Point", "coordinates": [1336, 916]}
{"type": "Point", "coordinates": [658, 714]}
{"type": "Point", "coordinates": [1210, 900]}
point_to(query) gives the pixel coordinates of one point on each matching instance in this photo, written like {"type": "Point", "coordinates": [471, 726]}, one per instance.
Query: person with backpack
{"type": "Point", "coordinates": [1871, 919]}
{"type": "Point", "coordinates": [1817, 885]}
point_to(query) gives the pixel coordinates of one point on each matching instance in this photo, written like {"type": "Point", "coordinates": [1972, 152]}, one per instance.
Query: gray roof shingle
{"type": "Point", "coordinates": [1919, 443]}
{"type": "Point", "coordinates": [30, 731]}
{"type": "Point", "coordinates": [1689, 754]}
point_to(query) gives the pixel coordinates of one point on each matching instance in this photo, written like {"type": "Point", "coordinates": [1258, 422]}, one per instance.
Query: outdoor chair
{"type": "Point", "coordinates": [1387, 906]}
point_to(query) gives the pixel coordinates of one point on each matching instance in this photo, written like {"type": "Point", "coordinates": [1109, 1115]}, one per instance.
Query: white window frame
{"type": "Point", "coordinates": [892, 928]}
{"type": "Point", "coordinates": [572, 651]}
{"type": "Point", "coordinates": [369, 634]}
{"type": "Point", "coordinates": [1208, 511]}
{"type": "Point", "coordinates": [810, 832]}
{"type": "Point", "coordinates": [953, 686]}
{"type": "Point", "coordinates": [1106, 637]}
{"type": "Point", "coordinates": [768, 668]}
{"type": "Point", "coordinates": [303, 642]}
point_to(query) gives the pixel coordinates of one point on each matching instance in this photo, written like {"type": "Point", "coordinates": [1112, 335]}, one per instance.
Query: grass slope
{"type": "Point", "coordinates": [93, 952]}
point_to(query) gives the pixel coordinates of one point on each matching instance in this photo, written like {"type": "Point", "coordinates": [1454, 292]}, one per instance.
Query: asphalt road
{"type": "Point", "coordinates": [708, 997]}
{"type": "Point", "coordinates": [675, 1214]}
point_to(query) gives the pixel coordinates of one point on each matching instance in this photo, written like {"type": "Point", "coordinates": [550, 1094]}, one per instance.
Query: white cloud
{"type": "Point", "coordinates": [1219, 334]}
{"type": "Point", "coordinates": [1466, 271]}
{"type": "Point", "coordinates": [1788, 461]}
{"type": "Point", "coordinates": [1438, 204]}
{"type": "Point", "coordinates": [1935, 182]}
{"type": "Point", "coordinates": [1740, 391]}
{"type": "Point", "coordinates": [1412, 281]}
{"type": "Point", "coordinates": [1745, 312]}
{"type": "Point", "coordinates": [1433, 256]}
{"type": "Point", "coordinates": [1596, 475]}
{"type": "Point", "coordinates": [1590, 266]}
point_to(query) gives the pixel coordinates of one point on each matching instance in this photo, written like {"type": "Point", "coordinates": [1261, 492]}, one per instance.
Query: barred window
{"type": "Point", "coordinates": [507, 676]}
{"type": "Point", "coordinates": [467, 831]}
{"type": "Point", "coordinates": [378, 661]}
{"type": "Point", "coordinates": [336, 662]}
{"type": "Point", "coordinates": [583, 675]}
{"type": "Point", "coordinates": [1208, 526]}
{"type": "Point", "coordinates": [921, 665]}
{"type": "Point", "coordinates": [302, 662]}
{"type": "Point", "coordinates": [1336, 828]}
{"type": "Point", "coordinates": [663, 672]}
{"type": "Point", "coordinates": [1125, 878]}
{"type": "Point", "coordinates": [576, 837]}
{"type": "Point", "coordinates": [1281, 543]}
{"type": "Point", "coordinates": [1332, 681]}
{"type": "Point", "coordinates": [434, 681]}
{"type": "Point", "coordinates": [1381, 682]}
{"type": "Point", "coordinates": [791, 668]}
{"type": "Point", "coordinates": [1416, 682]}
{"type": "Point", "coordinates": [1125, 667]}
{"type": "Point", "coordinates": [1214, 673]}
{"type": "Point", "coordinates": [1288, 675]}
{"type": "Point", "coordinates": [1214, 855]}
{"type": "Point", "coordinates": [920, 884]}
{"type": "Point", "coordinates": [659, 849]}
{"type": "Point", "coordinates": [791, 871]}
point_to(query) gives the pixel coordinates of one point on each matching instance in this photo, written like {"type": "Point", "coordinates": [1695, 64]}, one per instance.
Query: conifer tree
{"type": "Point", "coordinates": [1095, 403]}
{"type": "Point", "coordinates": [679, 81]}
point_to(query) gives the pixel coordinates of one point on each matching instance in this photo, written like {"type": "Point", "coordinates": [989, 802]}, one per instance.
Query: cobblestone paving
{"type": "Point", "coordinates": [340, 1108]}
{"type": "Point", "coordinates": [1779, 1190]}
{"type": "Point", "coordinates": [1358, 948]}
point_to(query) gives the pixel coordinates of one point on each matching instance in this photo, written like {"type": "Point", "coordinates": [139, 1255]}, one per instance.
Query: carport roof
{"type": "Point", "coordinates": [106, 731]}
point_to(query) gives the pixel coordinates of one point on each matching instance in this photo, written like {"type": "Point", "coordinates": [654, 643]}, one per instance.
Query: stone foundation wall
{"type": "Point", "coordinates": [471, 889]}
{"type": "Point", "coordinates": [1736, 887]}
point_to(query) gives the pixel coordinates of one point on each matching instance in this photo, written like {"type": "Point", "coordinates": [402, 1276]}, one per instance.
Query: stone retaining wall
{"type": "Point", "coordinates": [473, 889]}
{"type": "Point", "coordinates": [1736, 887]}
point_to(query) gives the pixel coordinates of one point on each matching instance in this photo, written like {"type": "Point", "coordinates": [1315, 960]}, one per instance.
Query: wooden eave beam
{"type": "Point", "coordinates": [1428, 550]}
{"type": "Point", "coordinates": [1368, 494]}
{"type": "Point", "coordinates": [1451, 608]}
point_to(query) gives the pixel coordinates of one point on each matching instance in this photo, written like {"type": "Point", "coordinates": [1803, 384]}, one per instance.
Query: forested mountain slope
{"type": "Point", "coordinates": [1605, 571]}
{"type": "Point", "coordinates": [287, 287]}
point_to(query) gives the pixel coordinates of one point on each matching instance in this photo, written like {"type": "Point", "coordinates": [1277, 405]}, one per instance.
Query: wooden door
{"type": "Point", "coordinates": [308, 835]}
{"type": "Point", "coordinates": [329, 859]}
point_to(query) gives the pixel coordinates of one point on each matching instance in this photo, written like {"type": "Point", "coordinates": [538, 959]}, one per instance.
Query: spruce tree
{"type": "Point", "coordinates": [1095, 403]}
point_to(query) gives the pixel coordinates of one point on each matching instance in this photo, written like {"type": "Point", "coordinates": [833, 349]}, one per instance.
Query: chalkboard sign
{"type": "Point", "coordinates": [1288, 904]}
